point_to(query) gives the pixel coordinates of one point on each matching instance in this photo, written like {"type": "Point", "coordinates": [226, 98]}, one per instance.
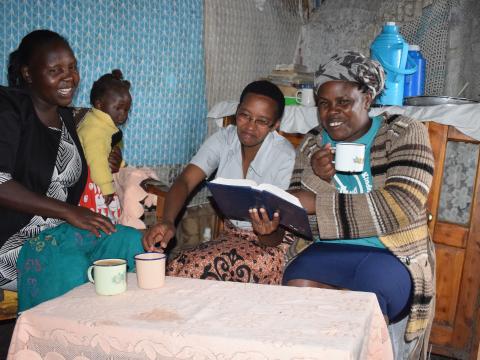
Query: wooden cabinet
{"type": "Point", "coordinates": [456, 328]}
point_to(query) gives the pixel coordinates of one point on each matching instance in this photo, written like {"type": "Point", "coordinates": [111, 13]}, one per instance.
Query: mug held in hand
{"type": "Point", "coordinates": [349, 157]}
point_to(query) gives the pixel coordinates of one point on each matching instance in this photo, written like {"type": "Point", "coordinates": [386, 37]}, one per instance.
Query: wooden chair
{"type": "Point", "coordinates": [457, 247]}
{"type": "Point", "coordinates": [161, 191]}
{"type": "Point", "coordinates": [8, 305]}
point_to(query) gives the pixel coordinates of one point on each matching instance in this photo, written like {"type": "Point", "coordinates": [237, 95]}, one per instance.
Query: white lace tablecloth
{"type": "Point", "coordinates": [201, 319]}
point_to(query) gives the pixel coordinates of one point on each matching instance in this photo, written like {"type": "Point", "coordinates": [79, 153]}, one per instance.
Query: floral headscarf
{"type": "Point", "coordinates": [352, 66]}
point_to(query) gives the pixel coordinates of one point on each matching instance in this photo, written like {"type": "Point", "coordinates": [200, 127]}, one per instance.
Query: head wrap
{"type": "Point", "coordinates": [352, 66]}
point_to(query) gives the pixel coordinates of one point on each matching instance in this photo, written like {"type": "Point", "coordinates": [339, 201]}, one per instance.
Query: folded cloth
{"type": "Point", "coordinates": [462, 117]}
{"type": "Point", "coordinates": [127, 185]}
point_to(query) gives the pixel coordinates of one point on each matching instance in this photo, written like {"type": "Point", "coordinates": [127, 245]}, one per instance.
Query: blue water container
{"type": "Point", "coordinates": [415, 83]}
{"type": "Point", "coordinates": [391, 50]}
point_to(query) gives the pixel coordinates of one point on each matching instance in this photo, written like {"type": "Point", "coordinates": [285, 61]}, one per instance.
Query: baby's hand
{"type": "Point", "coordinates": [108, 199]}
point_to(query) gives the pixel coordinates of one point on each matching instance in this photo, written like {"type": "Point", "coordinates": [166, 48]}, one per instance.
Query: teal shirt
{"type": "Point", "coordinates": [357, 183]}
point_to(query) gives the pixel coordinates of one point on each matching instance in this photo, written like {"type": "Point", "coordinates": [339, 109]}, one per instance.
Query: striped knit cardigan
{"type": "Point", "coordinates": [402, 170]}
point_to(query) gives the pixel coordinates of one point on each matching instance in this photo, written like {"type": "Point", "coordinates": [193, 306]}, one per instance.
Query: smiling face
{"type": "Point", "coordinates": [343, 110]}
{"type": "Point", "coordinates": [52, 75]}
{"type": "Point", "coordinates": [116, 103]}
{"type": "Point", "coordinates": [256, 117]}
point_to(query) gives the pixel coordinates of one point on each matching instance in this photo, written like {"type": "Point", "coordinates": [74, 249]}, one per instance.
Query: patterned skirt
{"type": "Point", "coordinates": [57, 260]}
{"type": "Point", "coordinates": [235, 255]}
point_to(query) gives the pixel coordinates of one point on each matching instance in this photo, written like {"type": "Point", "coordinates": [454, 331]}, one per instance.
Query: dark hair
{"type": "Point", "coordinates": [108, 82]}
{"type": "Point", "coordinates": [268, 89]}
{"type": "Point", "coordinates": [28, 48]}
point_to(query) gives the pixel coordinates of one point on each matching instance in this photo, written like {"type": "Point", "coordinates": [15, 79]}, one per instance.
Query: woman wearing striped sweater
{"type": "Point", "coordinates": [371, 227]}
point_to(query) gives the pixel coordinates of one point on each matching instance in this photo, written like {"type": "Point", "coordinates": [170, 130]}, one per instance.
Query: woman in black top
{"type": "Point", "coordinates": [43, 173]}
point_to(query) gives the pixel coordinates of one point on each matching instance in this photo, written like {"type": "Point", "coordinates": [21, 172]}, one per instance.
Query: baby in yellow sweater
{"type": "Point", "coordinates": [99, 133]}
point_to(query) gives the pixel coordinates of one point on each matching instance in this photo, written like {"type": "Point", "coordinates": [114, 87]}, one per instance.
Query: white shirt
{"type": "Point", "coordinates": [273, 163]}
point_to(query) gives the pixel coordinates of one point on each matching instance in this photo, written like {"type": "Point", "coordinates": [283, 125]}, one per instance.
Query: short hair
{"type": "Point", "coordinates": [30, 45]}
{"type": "Point", "coordinates": [108, 82]}
{"type": "Point", "coordinates": [268, 89]}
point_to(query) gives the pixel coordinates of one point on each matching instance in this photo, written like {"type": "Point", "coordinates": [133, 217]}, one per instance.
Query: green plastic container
{"type": "Point", "coordinates": [290, 101]}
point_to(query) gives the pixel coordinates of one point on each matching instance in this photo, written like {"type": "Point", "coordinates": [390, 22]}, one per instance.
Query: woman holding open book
{"type": "Point", "coordinates": [371, 226]}
{"type": "Point", "coordinates": [250, 150]}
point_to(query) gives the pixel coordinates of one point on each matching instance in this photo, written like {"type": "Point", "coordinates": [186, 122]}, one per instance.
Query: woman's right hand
{"type": "Point", "coordinates": [322, 163]}
{"type": "Point", "coordinates": [161, 233]}
{"type": "Point", "coordinates": [84, 218]}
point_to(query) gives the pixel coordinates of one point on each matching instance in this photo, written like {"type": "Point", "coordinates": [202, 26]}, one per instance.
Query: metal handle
{"type": "Point", "coordinates": [89, 273]}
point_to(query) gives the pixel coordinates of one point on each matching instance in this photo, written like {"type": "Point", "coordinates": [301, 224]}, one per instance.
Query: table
{"type": "Point", "coordinates": [203, 319]}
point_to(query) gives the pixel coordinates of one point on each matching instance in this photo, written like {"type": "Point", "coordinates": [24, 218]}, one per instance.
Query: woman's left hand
{"type": "Point", "coordinates": [268, 232]}
{"type": "Point", "coordinates": [261, 223]}
{"type": "Point", "coordinates": [115, 159]}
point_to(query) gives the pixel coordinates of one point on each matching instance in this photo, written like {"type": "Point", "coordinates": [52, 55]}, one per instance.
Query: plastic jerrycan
{"type": "Point", "coordinates": [391, 50]}
{"type": "Point", "coordinates": [415, 83]}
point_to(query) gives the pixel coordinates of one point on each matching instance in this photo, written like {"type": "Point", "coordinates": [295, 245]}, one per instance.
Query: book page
{"type": "Point", "coordinates": [262, 187]}
{"type": "Point", "coordinates": [235, 182]}
{"type": "Point", "coordinates": [280, 193]}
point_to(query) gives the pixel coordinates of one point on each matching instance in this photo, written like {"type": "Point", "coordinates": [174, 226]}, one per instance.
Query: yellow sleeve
{"type": "Point", "coordinates": [96, 146]}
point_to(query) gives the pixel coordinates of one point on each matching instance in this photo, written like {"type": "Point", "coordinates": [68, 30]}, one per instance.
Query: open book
{"type": "Point", "coordinates": [234, 197]}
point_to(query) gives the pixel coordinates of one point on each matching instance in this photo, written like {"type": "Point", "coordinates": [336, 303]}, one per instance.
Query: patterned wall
{"type": "Point", "coordinates": [244, 40]}
{"type": "Point", "coordinates": [158, 44]}
{"type": "Point", "coordinates": [423, 22]}
{"type": "Point", "coordinates": [430, 32]}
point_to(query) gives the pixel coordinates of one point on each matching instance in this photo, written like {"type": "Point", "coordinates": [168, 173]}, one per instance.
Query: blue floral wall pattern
{"type": "Point", "coordinates": [158, 45]}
